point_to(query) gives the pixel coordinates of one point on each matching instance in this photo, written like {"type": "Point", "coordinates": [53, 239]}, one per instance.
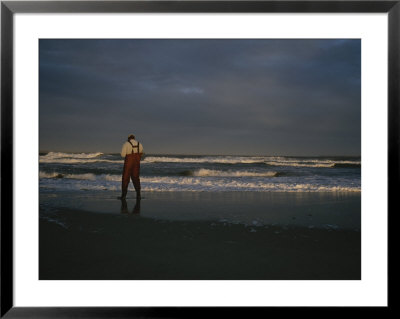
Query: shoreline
{"type": "Point", "coordinates": [316, 209]}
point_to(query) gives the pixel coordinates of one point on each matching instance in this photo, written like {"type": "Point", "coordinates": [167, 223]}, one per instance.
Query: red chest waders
{"type": "Point", "coordinates": [131, 171]}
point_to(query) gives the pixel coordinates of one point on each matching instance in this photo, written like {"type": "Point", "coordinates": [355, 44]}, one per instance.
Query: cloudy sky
{"type": "Point", "coordinates": [241, 97]}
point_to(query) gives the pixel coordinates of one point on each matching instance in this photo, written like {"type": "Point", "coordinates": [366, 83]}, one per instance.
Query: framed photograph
{"type": "Point", "coordinates": [169, 158]}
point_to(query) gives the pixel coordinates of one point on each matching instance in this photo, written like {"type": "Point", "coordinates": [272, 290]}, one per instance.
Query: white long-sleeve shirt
{"type": "Point", "coordinates": [127, 148]}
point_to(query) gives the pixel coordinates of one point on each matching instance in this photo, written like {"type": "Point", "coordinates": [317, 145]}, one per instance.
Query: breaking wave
{"type": "Point", "coordinates": [187, 183]}
{"type": "Point", "coordinates": [75, 158]}
{"type": "Point", "coordinates": [88, 158]}
{"type": "Point", "coordinates": [205, 159]}
{"type": "Point", "coordinates": [54, 155]}
{"type": "Point", "coordinates": [231, 173]}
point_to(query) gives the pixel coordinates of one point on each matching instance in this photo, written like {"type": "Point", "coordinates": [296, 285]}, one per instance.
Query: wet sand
{"type": "Point", "coordinates": [211, 236]}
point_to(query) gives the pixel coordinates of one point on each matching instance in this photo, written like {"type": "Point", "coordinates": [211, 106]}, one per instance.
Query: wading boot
{"type": "Point", "coordinates": [138, 196]}
{"type": "Point", "coordinates": [123, 196]}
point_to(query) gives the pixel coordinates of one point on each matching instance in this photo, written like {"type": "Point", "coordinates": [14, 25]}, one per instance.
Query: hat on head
{"type": "Point", "coordinates": [131, 137]}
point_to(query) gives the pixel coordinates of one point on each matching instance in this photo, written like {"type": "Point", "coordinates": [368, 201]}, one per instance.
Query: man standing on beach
{"type": "Point", "coordinates": [132, 150]}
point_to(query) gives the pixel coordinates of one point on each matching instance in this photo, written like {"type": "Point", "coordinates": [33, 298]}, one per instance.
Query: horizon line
{"type": "Point", "coordinates": [187, 154]}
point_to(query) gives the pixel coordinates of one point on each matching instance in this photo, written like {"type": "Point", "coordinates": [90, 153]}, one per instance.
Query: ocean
{"type": "Point", "coordinates": [171, 173]}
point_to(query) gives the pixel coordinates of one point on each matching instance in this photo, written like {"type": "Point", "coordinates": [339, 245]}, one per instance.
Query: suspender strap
{"type": "Point", "coordinates": [134, 146]}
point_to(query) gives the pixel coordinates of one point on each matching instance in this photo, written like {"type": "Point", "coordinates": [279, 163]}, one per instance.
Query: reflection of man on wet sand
{"type": "Point", "coordinates": [132, 150]}
{"type": "Point", "coordinates": [124, 207]}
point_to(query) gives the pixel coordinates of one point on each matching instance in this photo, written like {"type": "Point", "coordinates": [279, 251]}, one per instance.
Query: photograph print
{"type": "Point", "coordinates": [199, 159]}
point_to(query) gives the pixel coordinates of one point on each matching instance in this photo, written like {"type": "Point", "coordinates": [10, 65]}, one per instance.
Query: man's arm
{"type": "Point", "coordinates": [140, 150]}
{"type": "Point", "coordinates": [123, 151]}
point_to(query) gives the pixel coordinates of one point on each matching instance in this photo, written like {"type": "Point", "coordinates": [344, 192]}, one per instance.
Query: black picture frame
{"type": "Point", "coordinates": [9, 8]}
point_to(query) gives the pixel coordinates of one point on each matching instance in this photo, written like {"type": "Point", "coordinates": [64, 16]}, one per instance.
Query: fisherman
{"type": "Point", "coordinates": [132, 150]}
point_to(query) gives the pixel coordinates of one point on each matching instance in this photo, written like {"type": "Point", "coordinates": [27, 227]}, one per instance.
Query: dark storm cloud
{"type": "Point", "coordinates": [295, 97]}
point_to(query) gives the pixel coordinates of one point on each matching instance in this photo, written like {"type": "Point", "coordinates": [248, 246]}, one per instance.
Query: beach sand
{"type": "Point", "coordinates": [200, 236]}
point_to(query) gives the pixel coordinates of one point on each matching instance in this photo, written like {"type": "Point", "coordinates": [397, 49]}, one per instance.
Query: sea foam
{"type": "Point", "coordinates": [75, 158]}
{"type": "Point", "coordinates": [230, 173]}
